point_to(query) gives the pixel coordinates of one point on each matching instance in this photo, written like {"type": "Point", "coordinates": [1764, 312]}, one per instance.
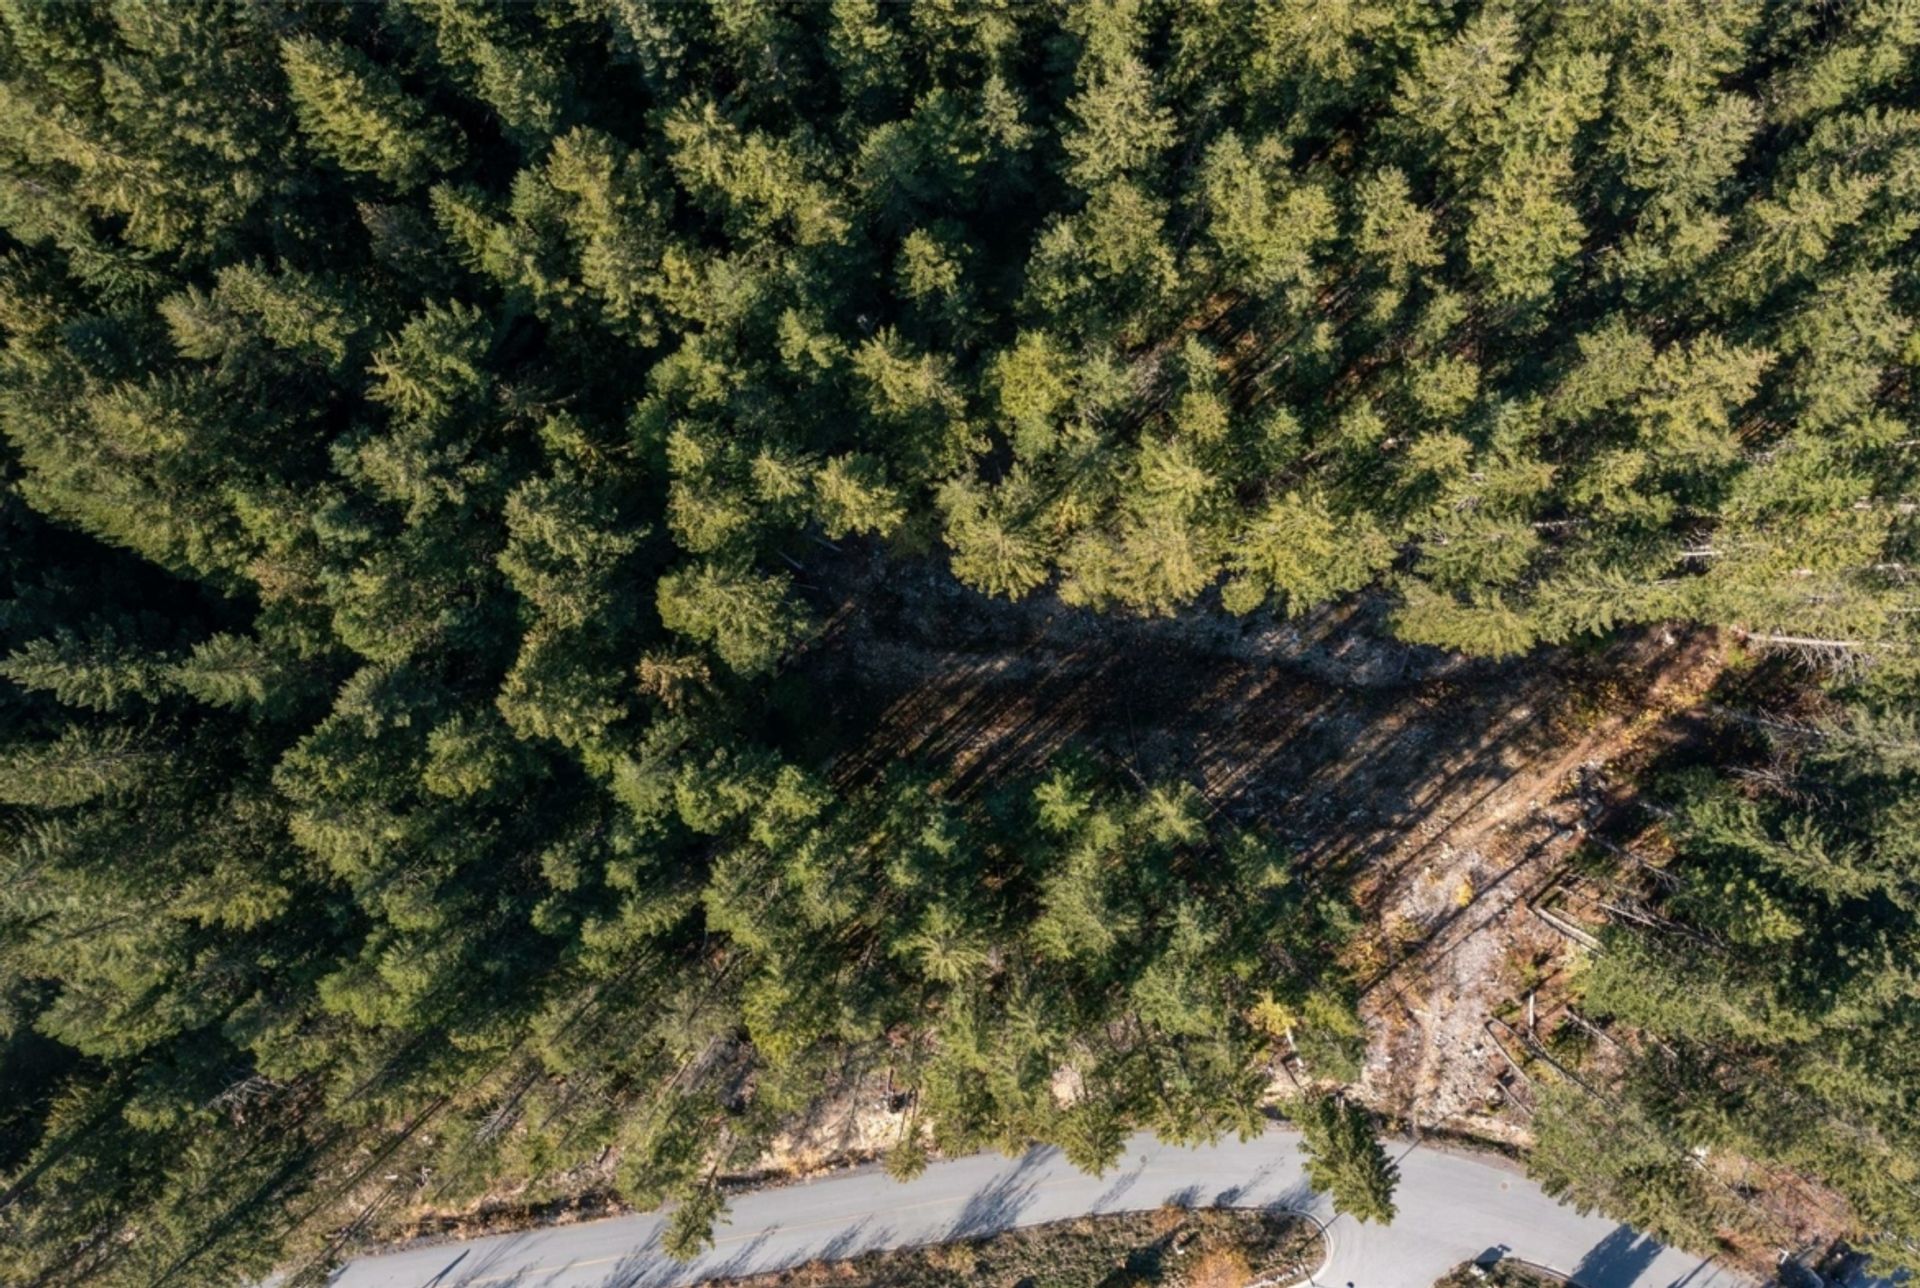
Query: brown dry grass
{"type": "Point", "coordinates": [1220, 1268]}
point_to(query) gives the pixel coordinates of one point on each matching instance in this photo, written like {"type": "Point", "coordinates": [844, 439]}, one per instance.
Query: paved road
{"type": "Point", "coordinates": [1452, 1207]}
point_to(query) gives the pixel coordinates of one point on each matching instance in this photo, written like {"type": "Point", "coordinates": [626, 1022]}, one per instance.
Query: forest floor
{"type": "Point", "coordinates": [1449, 793]}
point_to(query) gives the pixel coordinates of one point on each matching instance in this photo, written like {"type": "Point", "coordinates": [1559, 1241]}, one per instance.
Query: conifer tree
{"type": "Point", "coordinates": [1345, 1160]}
{"type": "Point", "coordinates": [747, 618]}
{"type": "Point", "coordinates": [427, 433]}
{"type": "Point", "coordinates": [357, 115]}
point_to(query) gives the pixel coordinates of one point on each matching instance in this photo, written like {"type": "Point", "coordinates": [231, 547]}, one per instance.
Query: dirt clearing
{"type": "Point", "coordinates": [1447, 792]}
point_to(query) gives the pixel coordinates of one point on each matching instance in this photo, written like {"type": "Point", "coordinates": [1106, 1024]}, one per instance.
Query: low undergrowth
{"type": "Point", "coordinates": [1501, 1274]}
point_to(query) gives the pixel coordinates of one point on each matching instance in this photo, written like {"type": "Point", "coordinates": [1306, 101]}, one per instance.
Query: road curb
{"type": "Point", "coordinates": [1326, 1244]}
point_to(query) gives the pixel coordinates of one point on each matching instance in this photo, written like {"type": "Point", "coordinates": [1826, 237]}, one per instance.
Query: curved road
{"type": "Point", "coordinates": [1453, 1207]}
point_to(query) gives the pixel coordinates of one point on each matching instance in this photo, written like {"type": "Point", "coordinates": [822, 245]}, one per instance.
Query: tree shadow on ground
{"type": "Point", "coordinates": [1617, 1260]}
{"type": "Point", "coordinates": [1297, 1197]}
{"type": "Point", "coordinates": [850, 1242]}
{"type": "Point", "coordinates": [997, 1205]}
{"type": "Point", "coordinates": [1115, 1195]}
{"type": "Point", "coordinates": [648, 1266]}
{"type": "Point", "coordinates": [1340, 739]}
{"type": "Point", "coordinates": [479, 1262]}
{"type": "Point", "coordinates": [1234, 1195]}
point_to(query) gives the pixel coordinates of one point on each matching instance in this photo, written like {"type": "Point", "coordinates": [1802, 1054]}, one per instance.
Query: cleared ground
{"type": "Point", "coordinates": [1446, 793]}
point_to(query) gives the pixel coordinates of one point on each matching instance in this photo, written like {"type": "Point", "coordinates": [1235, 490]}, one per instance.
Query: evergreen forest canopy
{"type": "Point", "coordinates": [414, 416]}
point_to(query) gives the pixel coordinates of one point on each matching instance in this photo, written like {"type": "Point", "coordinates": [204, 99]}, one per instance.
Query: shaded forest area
{"type": "Point", "coordinates": [524, 525]}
